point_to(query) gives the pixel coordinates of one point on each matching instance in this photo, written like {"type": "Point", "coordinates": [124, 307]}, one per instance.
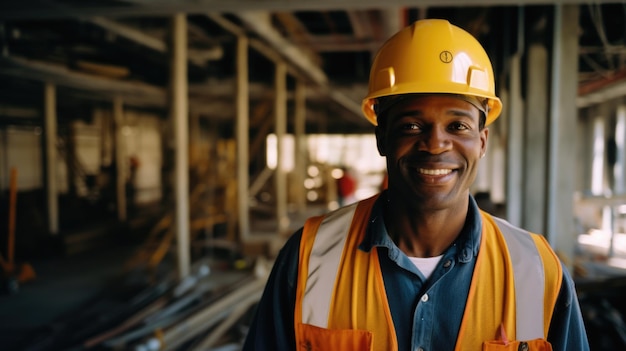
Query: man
{"type": "Point", "coordinates": [419, 266]}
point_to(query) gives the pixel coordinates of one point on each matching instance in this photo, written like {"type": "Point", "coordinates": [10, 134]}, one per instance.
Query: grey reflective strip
{"type": "Point", "coordinates": [529, 278]}
{"type": "Point", "coordinates": [323, 264]}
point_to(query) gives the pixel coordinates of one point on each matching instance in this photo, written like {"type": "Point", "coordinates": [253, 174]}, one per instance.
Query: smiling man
{"type": "Point", "coordinates": [432, 144]}
{"type": "Point", "coordinates": [419, 266]}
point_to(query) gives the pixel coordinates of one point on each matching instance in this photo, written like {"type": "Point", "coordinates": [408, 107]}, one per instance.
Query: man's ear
{"type": "Point", "coordinates": [380, 140]}
{"type": "Point", "coordinates": [484, 136]}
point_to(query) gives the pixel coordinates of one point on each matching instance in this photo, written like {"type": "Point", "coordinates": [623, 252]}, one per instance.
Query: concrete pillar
{"type": "Point", "coordinates": [619, 170]}
{"type": "Point", "coordinates": [180, 117]}
{"type": "Point", "coordinates": [50, 122]}
{"type": "Point", "coordinates": [563, 119]}
{"type": "Point", "coordinates": [300, 145]}
{"type": "Point", "coordinates": [535, 140]}
{"type": "Point", "coordinates": [280, 176]}
{"type": "Point", "coordinates": [598, 174]}
{"type": "Point", "coordinates": [597, 161]}
{"type": "Point", "coordinates": [121, 159]}
{"type": "Point", "coordinates": [242, 134]}
{"type": "Point", "coordinates": [393, 20]}
{"type": "Point", "coordinates": [497, 155]}
{"type": "Point", "coordinates": [515, 152]}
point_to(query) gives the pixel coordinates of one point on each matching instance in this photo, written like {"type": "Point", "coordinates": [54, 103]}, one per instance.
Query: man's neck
{"type": "Point", "coordinates": [424, 233]}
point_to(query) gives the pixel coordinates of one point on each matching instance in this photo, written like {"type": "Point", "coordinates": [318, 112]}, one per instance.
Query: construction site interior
{"type": "Point", "coordinates": [155, 156]}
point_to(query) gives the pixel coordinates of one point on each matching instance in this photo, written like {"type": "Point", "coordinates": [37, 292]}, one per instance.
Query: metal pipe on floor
{"type": "Point", "coordinates": [204, 319]}
{"type": "Point", "coordinates": [243, 306]}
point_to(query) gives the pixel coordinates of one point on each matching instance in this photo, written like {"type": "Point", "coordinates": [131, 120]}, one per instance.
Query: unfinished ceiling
{"type": "Point", "coordinates": [96, 50]}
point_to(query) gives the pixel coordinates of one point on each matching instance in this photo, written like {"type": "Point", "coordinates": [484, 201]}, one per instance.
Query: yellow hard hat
{"type": "Point", "coordinates": [432, 56]}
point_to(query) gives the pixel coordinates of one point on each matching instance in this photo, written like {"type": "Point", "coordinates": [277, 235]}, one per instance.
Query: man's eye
{"type": "Point", "coordinates": [458, 126]}
{"type": "Point", "coordinates": [410, 126]}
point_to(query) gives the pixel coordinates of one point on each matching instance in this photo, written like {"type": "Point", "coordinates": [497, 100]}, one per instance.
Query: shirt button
{"type": "Point", "coordinates": [424, 299]}
{"type": "Point", "coordinates": [447, 264]}
{"type": "Point", "coordinates": [419, 349]}
{"type": "Point", "coordinates": [523, 346]}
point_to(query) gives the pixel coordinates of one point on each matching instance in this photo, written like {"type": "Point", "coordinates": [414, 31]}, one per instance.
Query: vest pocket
{"type": "Point", "coordinates": [312, 338]}
{"type": "Point", "coordinates": [532, 345]}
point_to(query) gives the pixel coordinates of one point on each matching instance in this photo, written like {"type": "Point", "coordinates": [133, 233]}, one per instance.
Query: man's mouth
{"type": "Point", "coordinates": [434, 172]}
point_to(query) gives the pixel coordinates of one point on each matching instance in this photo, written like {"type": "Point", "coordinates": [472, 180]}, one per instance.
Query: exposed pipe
{"type": "Point", "coordinates": [51, 157]}
{"type": "Point", "coordinates": [242, 134]}
{"type": "Point", "coordinates": [280, 176]}
{"type": "Point", "coordinates": [120, 159]}
{"type": "Point", "coordinates": [181, 140]}
{"type": "Point", "coordinates": [300, 145]}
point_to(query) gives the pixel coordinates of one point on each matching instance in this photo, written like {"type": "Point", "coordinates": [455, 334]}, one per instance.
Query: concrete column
{"type": "Point", "coordinates": [597, 161]}
{"type": "Point", "coordinates": [619, 170]}
{"type": "Point", "coordinates": [393, 20]}
{"type": "Point", "coordinates": [563, 119]}
{"type": "Point", "coordinates": [242, 134]}
{"type": "Point", "coordinates": [50, 116]}
{"type": "Point", "coordinates": [181, 139]}
{"type": "Point", "coordinates": [598, 174]}
{"type": "Point", "coordinates": [301, 147]}
{"type": "Point", "coordinates": [515, 152]}
{"type": "Point", "coordinates": [280, 176]}
{"type": "Point", "coordinates": [535, 140]}
{"type": "Point", "coordinates": [497, 155]}
{"type": "Point", "coordinates": [121, 159]}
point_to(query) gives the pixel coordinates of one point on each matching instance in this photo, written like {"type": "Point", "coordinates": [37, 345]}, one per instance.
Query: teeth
{"type": "Point", "coordinates": [434, 171]}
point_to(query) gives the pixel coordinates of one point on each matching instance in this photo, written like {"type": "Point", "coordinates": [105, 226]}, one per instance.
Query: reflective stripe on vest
{"type": "Point", "coordinates": [323, 265]}
{"type": "Point", "coordinates": [529, 281]}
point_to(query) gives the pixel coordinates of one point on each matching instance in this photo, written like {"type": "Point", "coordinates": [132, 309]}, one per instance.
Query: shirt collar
{"type": "Point", "coordinates": [467, 243]}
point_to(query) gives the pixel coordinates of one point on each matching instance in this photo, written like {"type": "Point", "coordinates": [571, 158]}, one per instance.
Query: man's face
{"type": "Point", "coordinates": [432, 145]}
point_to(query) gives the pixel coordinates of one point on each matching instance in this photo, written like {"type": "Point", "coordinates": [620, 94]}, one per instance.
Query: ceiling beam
{"type": "Point", "coordinates": [340, 43]}
{"type": "Point", "coordinates": [30, 9]}
{"type": "Point", "coordinates": [89, 87]}
{"type": "Point", "coordinates": [43, 72]}
{"type": "Point", "coordinates": [360, 24]}
{"type": "Point", "coordinates": [199, 57]}
{"type": "Point", "coordinates": [259, 22]}
{"type": "Point", "coordinates": [600, 91]}
{"type": "Point", "coordinates": [279, 48]}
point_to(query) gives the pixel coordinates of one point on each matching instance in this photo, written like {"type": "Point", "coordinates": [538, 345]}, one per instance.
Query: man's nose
{"type": "Point", "coordinates": [435, 140]}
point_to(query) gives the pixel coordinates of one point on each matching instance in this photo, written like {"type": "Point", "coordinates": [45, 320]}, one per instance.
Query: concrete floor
{"type": "Point", "coordinates": [63, 285]}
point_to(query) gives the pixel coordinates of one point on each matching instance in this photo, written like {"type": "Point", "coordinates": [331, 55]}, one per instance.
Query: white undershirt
{"type": "Point", "coordinates": [426, 265]}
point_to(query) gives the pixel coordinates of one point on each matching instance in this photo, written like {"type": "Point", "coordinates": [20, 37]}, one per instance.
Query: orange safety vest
{"type": "Point", "coordinates": [341, 302]}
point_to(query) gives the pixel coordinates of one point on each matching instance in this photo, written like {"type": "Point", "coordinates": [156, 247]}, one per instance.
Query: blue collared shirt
{"type": "Point", "coordinates": [426, 313]}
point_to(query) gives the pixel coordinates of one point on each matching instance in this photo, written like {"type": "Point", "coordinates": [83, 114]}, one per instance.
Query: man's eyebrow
{"type": "Point", "coordinates": [408, 113]}
{"type": "Point", "coordinates": [451, 110]}
{"type": "Point", "coordinates": [460, 111]}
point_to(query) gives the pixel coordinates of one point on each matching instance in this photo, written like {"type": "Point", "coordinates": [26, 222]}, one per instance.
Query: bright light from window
{"type": "Point", "coordinates": [312, 195]}
{"type": "Point", "coordinates": [309, 183]}
{"type": "Point", "coordinates": [337, 173]}
{"type": "Point", "coordinates": [287, 151]}
{"type": "Point", "coordinates": [313, 171]}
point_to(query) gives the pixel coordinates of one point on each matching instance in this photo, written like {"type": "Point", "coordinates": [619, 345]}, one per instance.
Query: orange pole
{"type": "Point", "coordinates": [12, 210]}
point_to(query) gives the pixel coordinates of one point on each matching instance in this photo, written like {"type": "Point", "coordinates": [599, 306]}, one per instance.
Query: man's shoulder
{"type": "Point", "coordinates": [505, 225]}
